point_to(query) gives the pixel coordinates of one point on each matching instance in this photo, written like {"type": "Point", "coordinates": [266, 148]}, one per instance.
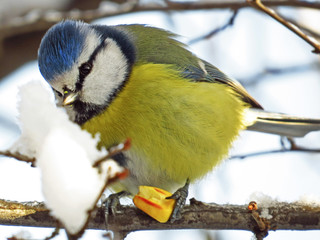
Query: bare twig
{"type": "Point", "coordinates": [255, 154]}
{"type": "Point", "coordinates": [293, 147]}
{"type": "Point", "coordinates": [54, 233]}
{"type": "Point", "coordinates": [272, 71]}
{"type": "Point", "coordinates": [18, 156]}
{"type": "Point", "coordinates": [217, 30]}
{"type": "Point", "coordinates": [113, 151]}
{"type": "Point", "coordinates": [304, 28]}
{"type": "Point", "coordinates": [294, 28]}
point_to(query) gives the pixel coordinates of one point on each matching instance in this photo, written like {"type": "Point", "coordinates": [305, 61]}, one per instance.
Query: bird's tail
{"type": "Point", "coordinates": [281, 124]}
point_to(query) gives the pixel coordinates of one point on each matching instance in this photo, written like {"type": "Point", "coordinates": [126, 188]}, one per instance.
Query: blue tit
{"type": "Point", "coordinates": [181, 113]}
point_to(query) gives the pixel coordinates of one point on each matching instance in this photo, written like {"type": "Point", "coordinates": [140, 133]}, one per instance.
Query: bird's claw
{"type": "Point", "coordinates": [180, 196]}
{"type": "Point", "coordinates": [112, 203]}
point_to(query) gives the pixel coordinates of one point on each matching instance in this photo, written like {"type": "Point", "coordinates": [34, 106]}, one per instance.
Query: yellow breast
{"type": "Point", "coordinates": [179, 128]}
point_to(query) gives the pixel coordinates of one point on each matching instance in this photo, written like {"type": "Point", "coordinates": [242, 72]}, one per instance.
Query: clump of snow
{"type": "Point", "coordinates": [309, 200]}
{"type": "Point", "coordinates": [65, 155]}
{"type": "Point", "coordinates": [262, 199]}
{"type": "Point", "coordinates": [265, 214]}
{"type": "Point", "coordinates": [71, 185]}
{"type": "Point", "coordinates": [264, 202]}
{"type": "Point", "coordinates": [38, 114]}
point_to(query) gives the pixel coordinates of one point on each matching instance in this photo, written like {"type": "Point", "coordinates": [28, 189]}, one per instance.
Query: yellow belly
{"type": "Point", "coordinates": [179, 129]}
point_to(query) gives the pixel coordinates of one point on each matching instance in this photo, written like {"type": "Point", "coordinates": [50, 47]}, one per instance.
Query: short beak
{"type": "Point", "coordinates": [69, 99]}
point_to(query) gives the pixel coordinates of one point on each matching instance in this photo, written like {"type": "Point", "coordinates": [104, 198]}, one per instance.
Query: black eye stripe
{"type": "Point", "coordinates": [96, 51]}
{"type": "Point", "coordinates": [86, 67]}
{"type": "Point", "coordinates": [57, 92]}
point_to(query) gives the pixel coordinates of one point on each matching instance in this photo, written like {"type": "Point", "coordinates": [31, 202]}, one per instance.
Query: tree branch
{"type": "Point", "coordinates": [42, 20]}
{"type": "Point", "coordinates": [217, 30]}
{"type": "Point", "coordinates": [274, 71]}
{"type": "Point", "coordinates": [294, 28]}
{"type": "Point", "coordinates": [112, 151]}
{"type": "Point", "coordinates": [256, 154]}
{"type": "Point", "coordinates": [197, 215]}
{"type": "Point", "coordinates": [27, 30]}
{"type": "Point", "coordinates": [293, 147]}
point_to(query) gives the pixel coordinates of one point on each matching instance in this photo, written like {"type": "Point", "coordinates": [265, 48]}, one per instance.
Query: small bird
{"type": "Point", "coordinates": [181, 113]}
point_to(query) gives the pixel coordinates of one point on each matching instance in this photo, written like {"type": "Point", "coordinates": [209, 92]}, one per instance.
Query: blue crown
{"type": "Point", "coordinates": [60, 48]}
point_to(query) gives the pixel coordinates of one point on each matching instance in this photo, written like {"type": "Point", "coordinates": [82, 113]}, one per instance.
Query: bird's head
{"type": "Point", "coordinates": [86, 66]}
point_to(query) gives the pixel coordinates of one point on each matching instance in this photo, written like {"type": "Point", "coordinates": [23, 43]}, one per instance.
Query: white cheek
{"type": "Point", "coordinates": [107, 75]}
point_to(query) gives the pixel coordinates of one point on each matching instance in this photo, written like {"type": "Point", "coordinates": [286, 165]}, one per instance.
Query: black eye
{"type": "Point", "coordinates": [85, 69]}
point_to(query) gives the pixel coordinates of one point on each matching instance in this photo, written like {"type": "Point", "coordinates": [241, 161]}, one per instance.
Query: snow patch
{"type": "Point", "coordinates": [65, 155]}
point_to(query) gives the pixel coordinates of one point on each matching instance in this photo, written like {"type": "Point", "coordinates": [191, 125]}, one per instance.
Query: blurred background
{"type": "Point", "coordinates": [277, 68]}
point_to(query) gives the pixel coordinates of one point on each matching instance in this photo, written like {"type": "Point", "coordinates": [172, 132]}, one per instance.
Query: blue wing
{"type": "Point", "coordinates": [209, 73]}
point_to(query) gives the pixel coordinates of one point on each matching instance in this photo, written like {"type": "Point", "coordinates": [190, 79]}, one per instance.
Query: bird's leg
{"type": "Point", "coordinates": [180, 196]}
{"type": "Point", "coordinates": [112, 202]}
